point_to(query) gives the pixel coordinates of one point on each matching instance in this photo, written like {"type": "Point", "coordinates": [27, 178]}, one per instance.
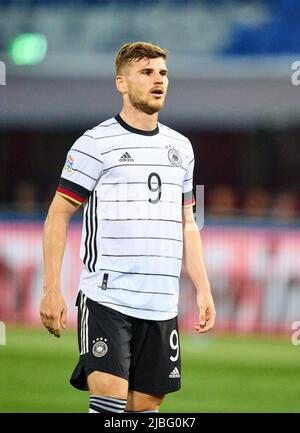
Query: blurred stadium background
{"type": "Point", "coordinates": [231, 93]}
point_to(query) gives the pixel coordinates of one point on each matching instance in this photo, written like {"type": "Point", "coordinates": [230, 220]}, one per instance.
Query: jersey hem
{"type": "Point", "coordinates": [141, 314]}
{"type": "Point", "coordinates": [68, 198]}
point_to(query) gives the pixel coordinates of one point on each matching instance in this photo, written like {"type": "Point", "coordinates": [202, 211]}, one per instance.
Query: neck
{"type": "Point", "coordinates": [138, 119]}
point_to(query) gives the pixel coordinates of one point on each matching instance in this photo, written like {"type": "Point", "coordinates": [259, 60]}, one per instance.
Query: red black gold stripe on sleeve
{"type": "Point", "coordinates": [71, 190]}
{"type": "Point", "coordinates": [188, 199]}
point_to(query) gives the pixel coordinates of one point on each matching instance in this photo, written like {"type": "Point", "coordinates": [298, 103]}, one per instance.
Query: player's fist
{"type": "Point", "coordinates": [53, 312]}
{"type": "Point", "coordinates": [207, 312]}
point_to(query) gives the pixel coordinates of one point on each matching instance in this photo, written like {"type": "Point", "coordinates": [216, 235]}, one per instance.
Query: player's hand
{"type": "Point", "coordinates": [207, 312]}
{"type": "Point", "coordinates": [53, 312]}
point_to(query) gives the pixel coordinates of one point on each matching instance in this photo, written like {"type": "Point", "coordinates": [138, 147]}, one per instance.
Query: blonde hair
{"type": "Point", "coordinates": [135, 51]}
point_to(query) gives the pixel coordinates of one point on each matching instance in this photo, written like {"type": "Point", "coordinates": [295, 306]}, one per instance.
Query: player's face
{"type": "Point", "coordinates": [147, 84]}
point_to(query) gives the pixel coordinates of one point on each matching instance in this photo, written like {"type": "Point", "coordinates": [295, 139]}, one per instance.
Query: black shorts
{"type": "Point", "coordinates": [144, 352]}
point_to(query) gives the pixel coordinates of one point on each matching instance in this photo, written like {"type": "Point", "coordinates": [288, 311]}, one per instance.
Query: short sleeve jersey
{"type": "Point", "coordinates": [132, 185]}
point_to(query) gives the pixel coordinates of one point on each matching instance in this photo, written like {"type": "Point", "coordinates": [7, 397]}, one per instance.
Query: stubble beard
{"type": "Point", "coordinates": [143, 105]}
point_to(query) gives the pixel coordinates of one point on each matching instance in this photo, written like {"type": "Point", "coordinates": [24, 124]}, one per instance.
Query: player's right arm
{"type": "Point", "coordinates": [53, 310]}
{"type": "Point", "coordinates": [79, 177]}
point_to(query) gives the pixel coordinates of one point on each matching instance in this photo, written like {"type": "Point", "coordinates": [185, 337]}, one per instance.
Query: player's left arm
{"type": "Point", "coordinates": [193, 262]}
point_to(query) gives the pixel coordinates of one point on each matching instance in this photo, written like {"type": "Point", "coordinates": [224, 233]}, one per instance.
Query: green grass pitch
{"type": "Point", "coordinates": [219, 374]}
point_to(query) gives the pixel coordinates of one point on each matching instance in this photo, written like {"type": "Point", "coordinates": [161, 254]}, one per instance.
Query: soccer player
{"type": "Point", "coordinates": [134, 178]}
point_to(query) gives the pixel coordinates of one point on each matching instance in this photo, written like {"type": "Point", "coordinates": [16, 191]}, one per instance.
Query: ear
{"type": "Point", "coordinates": [121, 84]}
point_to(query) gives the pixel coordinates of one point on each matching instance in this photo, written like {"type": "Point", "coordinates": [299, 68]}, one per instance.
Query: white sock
{"type": "Point", "coordinates": [100, 404]}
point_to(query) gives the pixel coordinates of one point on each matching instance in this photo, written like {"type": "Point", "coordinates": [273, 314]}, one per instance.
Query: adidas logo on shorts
{"type": "Point", "coordinates": [126, 158]}
{"type": "Point", "coordinates": [174, 373]}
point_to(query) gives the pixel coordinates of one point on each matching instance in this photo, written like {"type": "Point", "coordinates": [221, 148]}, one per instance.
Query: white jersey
{"type": "Point", "coordinates": [133, 185]}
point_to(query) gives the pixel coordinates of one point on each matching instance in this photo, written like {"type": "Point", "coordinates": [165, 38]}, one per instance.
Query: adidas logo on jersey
{"type": "Point", "coordinates": [174, 373]}
{"type": "Point", "coordinates": [126, 158]}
